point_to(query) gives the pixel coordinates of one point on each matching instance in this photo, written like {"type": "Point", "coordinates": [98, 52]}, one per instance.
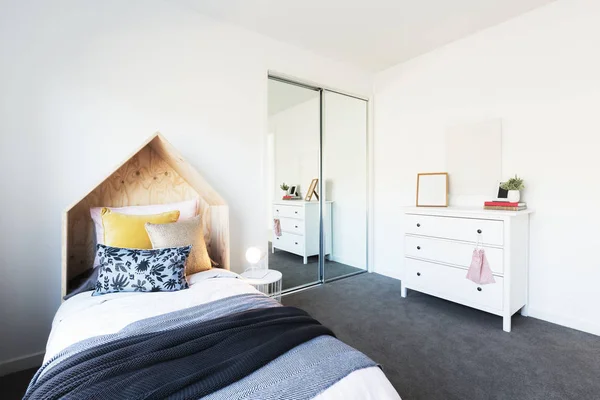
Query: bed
{"type": "Point", "coordinates": [84, 316]}
{"type": "Point", "coordinates": [218, 339]}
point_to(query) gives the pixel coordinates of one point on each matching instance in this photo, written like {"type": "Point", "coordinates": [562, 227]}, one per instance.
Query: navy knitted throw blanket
{"type": "Point", "coordinates": [187, 362]}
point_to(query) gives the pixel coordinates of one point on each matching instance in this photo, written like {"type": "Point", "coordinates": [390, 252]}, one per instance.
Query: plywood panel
{"type": "Point", "coordinates": [146, 178]}
{"type": "Point", "coordinates": [218, 231]}
{"type": "Point", "coordinates": [185, 170]}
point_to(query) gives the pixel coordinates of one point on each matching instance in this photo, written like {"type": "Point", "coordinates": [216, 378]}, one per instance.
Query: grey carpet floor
{"type": "Point", "coordinates": [433, 349]}
{"type": "Point", "coordinates": [296, 273]}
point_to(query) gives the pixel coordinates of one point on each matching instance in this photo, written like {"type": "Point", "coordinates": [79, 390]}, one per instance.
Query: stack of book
{"type": "Point", "coordinates": [504, 205]}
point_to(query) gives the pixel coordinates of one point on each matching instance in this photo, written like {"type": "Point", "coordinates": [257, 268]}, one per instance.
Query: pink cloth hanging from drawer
{"type": "Point", "coordinates": [480, 271]}
{"type": "Point", "coordinates": [277, 227]}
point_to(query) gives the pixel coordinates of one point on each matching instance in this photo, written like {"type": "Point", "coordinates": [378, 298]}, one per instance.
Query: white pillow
{"type": "Point", "coordinates": [187, 209]}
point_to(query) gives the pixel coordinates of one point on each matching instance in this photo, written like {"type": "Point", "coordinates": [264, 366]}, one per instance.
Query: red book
{"type": "Point", "coordinates": [502, 204]}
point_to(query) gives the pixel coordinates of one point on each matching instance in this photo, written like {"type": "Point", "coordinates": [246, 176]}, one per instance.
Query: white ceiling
{"type": "Point", "coordinates": [371, 34]}
{"type": "Point", "coordinates": [284, 95]}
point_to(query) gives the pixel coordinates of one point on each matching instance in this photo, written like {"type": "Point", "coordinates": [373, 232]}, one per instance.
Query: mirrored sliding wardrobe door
{"type": "Point", "coordinates": [344, 160]}
{"type": "Point", "coordinates": [293, 159]}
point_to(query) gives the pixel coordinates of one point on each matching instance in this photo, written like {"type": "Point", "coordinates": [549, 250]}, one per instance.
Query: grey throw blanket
{"type": "Point", "coordinates": [225, 349]}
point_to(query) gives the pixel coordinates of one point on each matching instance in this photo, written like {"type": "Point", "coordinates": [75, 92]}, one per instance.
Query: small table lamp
{"type": "Point", "coordinates": [255, 256]}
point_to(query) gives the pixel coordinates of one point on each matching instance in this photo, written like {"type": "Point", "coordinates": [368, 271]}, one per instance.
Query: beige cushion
{"type": "Point", "coordinates": [182, 233]}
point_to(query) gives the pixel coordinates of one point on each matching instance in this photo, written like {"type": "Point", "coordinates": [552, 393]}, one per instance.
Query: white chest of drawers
{"type": "Point", "coordinates": [300, 227]}
{"type": "Point", "coordinates": [438, 246]}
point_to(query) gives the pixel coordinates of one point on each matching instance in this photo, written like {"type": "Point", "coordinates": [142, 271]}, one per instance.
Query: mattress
{"type": "Point", "coordinates": [84, 316]}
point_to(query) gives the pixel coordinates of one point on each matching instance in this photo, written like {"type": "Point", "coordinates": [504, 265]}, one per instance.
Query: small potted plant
{"type": "Point", "coordinates": [284, 186]}
{"type": "Point", "coordinates": [514, 187]}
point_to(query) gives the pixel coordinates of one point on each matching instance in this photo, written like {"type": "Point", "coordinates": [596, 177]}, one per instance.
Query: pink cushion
{"type": "Point", "coordinates": [187, 209]}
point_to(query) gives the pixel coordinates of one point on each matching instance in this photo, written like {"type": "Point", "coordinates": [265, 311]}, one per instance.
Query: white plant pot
{"type": "Point", "coordinates": [514, 196]}
{"type": "Point", "coordinates": [283, 193]}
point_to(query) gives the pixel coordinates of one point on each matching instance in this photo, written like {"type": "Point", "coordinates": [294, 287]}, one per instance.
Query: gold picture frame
{"type": "Point", "coordinates": [312, 189]}
{"type": "Point", "coordinates": [432, 189]}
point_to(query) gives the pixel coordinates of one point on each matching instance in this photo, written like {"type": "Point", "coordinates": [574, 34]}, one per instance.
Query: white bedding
{"type": "Point", "coordinates": [84, 316]}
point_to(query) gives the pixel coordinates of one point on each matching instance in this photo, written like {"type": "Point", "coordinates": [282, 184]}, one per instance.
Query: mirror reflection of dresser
{"type": "Point", "coordinates": [299, 221]}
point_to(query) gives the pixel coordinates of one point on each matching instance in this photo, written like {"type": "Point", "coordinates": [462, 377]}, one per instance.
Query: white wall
{"type": "Point", "coordinates": [83, 83]}
{"type": "Point", "coordinates": [540, 73]}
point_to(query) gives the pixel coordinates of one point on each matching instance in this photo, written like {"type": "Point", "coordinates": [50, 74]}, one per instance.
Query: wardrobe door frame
{"type": "Point", "coordinates": [368, 166]}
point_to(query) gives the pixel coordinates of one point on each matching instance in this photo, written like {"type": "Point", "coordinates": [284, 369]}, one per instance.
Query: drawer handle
{"type": "Point", "coordinates": [296, 242]}
{"type": "Point", "coordinates": [295, 212]}
{"type": "Point", "coordinates": [277, 238]}
{"type": "Point", "coordinates": [277, 210]}
{"type": "Point", "coordinates": [479, 231]}
{"type": "Point", "coordinates": [418, 247]}
{"type": "Point", "coordinates": [418, 225]}
{"type": "Point", "coordinates": [296, 226]}
{"type": "Point", "coordinates": [418, 274]}
{"type": "Point", "coordinates": [479, 289]}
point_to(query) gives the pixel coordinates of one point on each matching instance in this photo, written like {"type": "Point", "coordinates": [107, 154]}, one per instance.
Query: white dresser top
{"type": "Point", "coordinates": [465, 211]}
{"type": "Point", "coordinates": [297, 202]}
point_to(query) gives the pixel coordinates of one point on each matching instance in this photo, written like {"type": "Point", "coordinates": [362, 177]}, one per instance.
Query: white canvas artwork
{"type": "Point", "coordinates": [474, 157]}
{"type": "Point", "coordinates": [432, 190]}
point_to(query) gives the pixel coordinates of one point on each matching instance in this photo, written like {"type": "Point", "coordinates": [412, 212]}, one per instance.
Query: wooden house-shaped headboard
{"type": "Point", "coordinates": [154, 174]}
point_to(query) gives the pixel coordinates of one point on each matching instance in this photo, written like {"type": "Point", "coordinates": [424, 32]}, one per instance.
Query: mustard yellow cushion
{"type": "Point", "coordinates": [129, 231]}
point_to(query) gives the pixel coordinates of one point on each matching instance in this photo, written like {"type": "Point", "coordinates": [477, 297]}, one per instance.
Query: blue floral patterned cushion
{"type": "Point", "coordinates": [134, 270]}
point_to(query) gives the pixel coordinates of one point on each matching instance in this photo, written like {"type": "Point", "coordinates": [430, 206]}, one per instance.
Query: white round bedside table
{"type": "Point", "coordinates": [267, 281]}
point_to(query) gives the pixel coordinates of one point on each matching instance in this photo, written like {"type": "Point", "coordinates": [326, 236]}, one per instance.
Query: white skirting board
{"type": "Point", "coordinates": [393, 272]}
{"type": "Point", "coordinates": [21, 363]}
{"type": "Point", "coordinates": [573, 323]}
